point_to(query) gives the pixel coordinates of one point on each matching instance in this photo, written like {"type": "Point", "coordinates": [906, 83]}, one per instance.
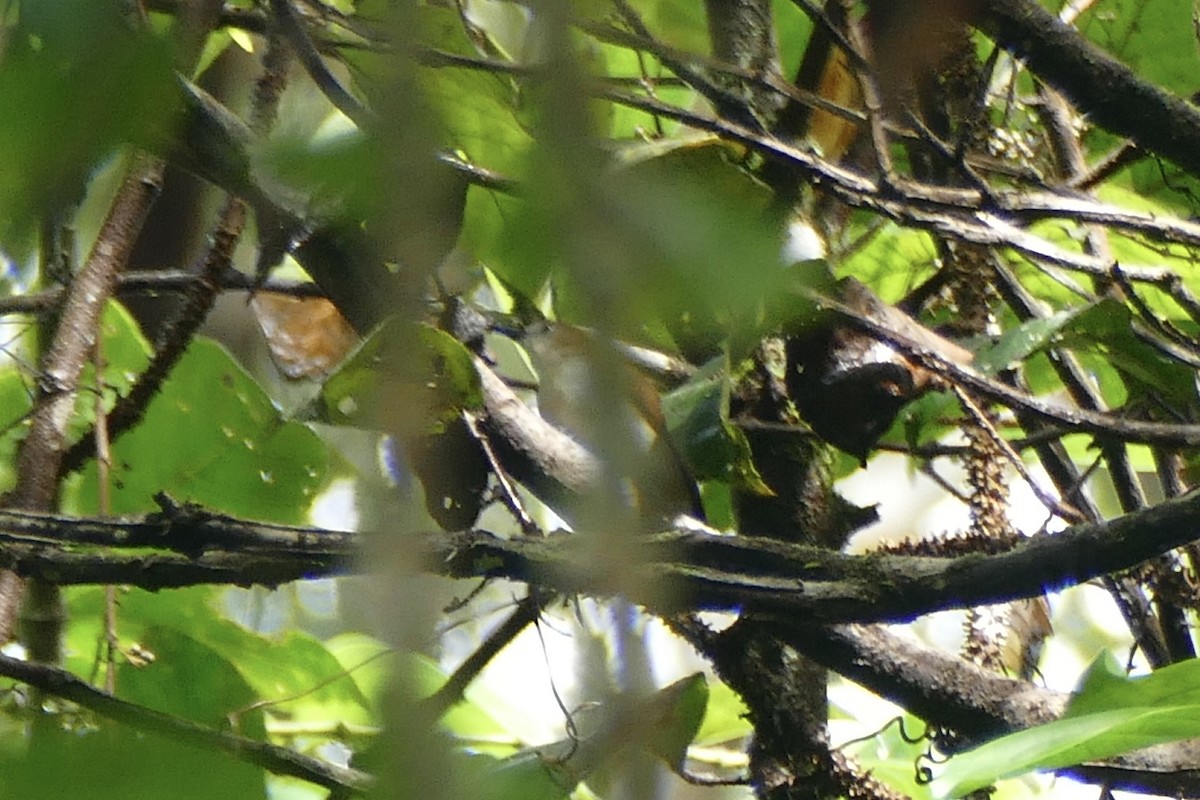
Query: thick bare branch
{"type": "Point", "coordinates": [687, 570]}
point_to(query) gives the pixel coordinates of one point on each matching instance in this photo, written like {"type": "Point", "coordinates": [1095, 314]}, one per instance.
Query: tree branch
{"type": "Point", "coordinates": [1101, 424]}
{"type": "Point", "coordinates": [528, 609]}
{"type": "Point", "coordinates": [175, 337]}
{"type": "Point", "coordinates": [293, 29]}
{"type": "Point", "coordinates": [977, 704]}
{"type": "Point", "coordinates": [1098, 84]}
{"type": "Point", "coordinates": [275, 759]}
{"type": "Point", "coordinates": [554, 466]}
{"type": "Point", "coordinates": [957, 213]}
{"type": "Point", "coordinates": [40, 453]}
{"type": "Point", "coordinates": [687, 570]}
{"type": "Point", "coordinates": [134, 282]}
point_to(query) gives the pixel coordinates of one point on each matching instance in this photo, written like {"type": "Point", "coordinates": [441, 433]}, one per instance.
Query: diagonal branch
{"type": "Point", "coordinates": [292, 27]}
{"type": "Point", "coordinates": [40, 454]}
{"type": "Point", "coordinates": [1101, 424]}
{"type": "Point", "coordinates": [528, 609]}
{"type": "Point", "coordinates": [1098, 84]}
{"type": "Point", "coordinates": [957, 213]}
{"type": "Point", "coordinates": [198, 299]}
{"type": "Point", "coordinates": [275, 759]}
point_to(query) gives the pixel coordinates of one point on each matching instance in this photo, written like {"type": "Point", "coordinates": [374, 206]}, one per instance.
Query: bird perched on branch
{"type": "Point", "coordinates": [849, 385]}
{"type": "Point", "coordinates": [589, 389]}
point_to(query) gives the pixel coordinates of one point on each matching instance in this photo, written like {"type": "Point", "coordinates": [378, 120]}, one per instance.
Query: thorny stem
{"type": "Point", "coordinates": [40, 455]}
{"type": "Point", "coordinates": [202, 290]}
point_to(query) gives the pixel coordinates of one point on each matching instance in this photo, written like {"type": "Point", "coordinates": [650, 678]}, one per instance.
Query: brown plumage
{"type": "Point", "coordinates": [588, 389]}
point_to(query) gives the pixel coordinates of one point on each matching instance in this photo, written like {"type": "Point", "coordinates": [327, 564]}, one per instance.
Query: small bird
{"type": "Point", "coordinates": [849, 385]}
{"type": "Point", "coordinates": [589, 389]}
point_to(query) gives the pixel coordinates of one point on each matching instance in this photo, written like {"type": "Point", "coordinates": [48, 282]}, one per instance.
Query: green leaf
{"type": "Point", "coordinates": [679, 23]}
{"type": "Point", "coordinates": [925, 420]}
{"type": "Point", "coordinates": [212, 436]}
{"type": "Point", "coordinates": [892, 758]}
{"type": "Point", "coordinates": [1064, 743]}
{"type": "Point", "coordinates": [214, 686]}
{"type": "Point", "coordinates": [1156, 39]}
{"type": "Point", "coordinates": [475, 109]}
{"type": "Point", "coordinates": [683, 241]}
{"type": "Point", "coordinates": [683, 706]}
{"type": "Point", "coordinates": [1017, 344]}
{"type": "Point", "coordinates": [367, 661]}
{"type": "Point", "coordinates": [116, 763]}
{"type": "Point", "coordinates": [1102, 335]}
{"type": "Point", "coordinates": [893, 261]}
{"type": "Point", "coordinates": [299, 675]}
{"type": "Point", "coordinates": [1106, 329]}
{"type": "Point", "coordinates": [698, 423]}
{"type": "Point", "coordinates": [15, 404]}
{"type": "Point", "coordinates": [404, 378]}
{"type": "Point", "coordinates": [717, 500]}
{"type": "Point", "coordinates": [482, 715]}
{"type": "Point", "coordinates": [1106, 686]}
{"type": "Point", "coordinates": [1130, 250]}
{"type": "Point", "coordinates": [793, 28]}
{"type": "Point", "coordinates": [1153, 37]}
{"type": "Point", "coordinates": [526, 776]}
{"type": "Point", "coordinates": [1110, 715]}
{"type": "Point", "coordinates": [672, 716]}
{"type": "Point", "coordinates": [86, 82]}
{"type": "Point", "coordinates": [505, 26]}
{"type": "Point", "coordinates": [466, 718]}
{"type": "Point", "coordinates": [725, 718]}
{"type": "Point", "coordinates": [126, 354]}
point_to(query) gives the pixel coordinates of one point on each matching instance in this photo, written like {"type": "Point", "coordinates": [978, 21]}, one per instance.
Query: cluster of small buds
{"type": "Point", "coordinates": [1012, 145]}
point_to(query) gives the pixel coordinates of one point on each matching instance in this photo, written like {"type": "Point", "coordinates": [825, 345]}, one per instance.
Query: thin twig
{"type": "Point", "coordinates": [508, 491]}
{"type": "Point", "coordinates": [873, 101]}
{"type": "Point", "coordinates": [1125, 592]}
{"type": "Point", "coordinates": [293, 29]}
{"type": "Point", "coordinates": [104, 508]}
{"type": "Point", "coordinates": [956, 213]}
{"type": "Point", "coordinates": [1150, 317]}
{"type": "Point", "coordinates": [235, 716]}
{"type": "Point", "coordinates": [528, 609]}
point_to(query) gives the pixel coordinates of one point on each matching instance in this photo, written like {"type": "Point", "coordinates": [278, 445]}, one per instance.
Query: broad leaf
{"type": "Point", "coordinates": [681, 707]}
{"type": "Point", "coordinates": [406, 379]}
{"type": "Point", "coordinates": [1017, 344]}
{"type": "Point", "coordinates": [697, 419]}
{"type": "Point", "coordinates": [211, 436]}
{"type": "Point", "coordinates": [86, 83]}
{"type": "Point", "coordinates": [1066, 742]}
{"type": "Point", "coordinates": [1110, 715]}
{"type": "Point", "coordinates": [295, 672]}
